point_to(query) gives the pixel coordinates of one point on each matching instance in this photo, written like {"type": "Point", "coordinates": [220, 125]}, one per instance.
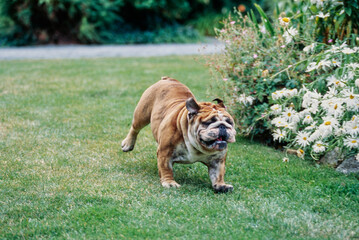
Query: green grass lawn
{"type": "Point", "coordinates": [63, 175]}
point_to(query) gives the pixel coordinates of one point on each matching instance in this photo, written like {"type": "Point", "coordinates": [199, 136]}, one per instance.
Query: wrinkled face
{"type": "Point", "coordinates": [212, 127]}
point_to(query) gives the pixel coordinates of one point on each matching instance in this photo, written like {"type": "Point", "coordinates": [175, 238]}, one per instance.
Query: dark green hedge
{"type": "Point", "coordinates": [105, 21]}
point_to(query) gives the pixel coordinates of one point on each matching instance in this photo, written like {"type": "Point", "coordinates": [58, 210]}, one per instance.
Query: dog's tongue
{"type": "Point", "coordinates": [219, 139]}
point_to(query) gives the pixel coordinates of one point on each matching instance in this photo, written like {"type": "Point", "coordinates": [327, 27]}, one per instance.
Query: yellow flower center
{"type": "Point", "coordinates": [351, 97]}
{"type": "Point", "coordinates": [289, 114]}
{"type": "Point", "coordinates": [336, 106]}
{"type": "Point", "coordinates": [285, 19]}
{"type": "Point", "coordinates": [304, 138]}
{"type": "Point", "coordinates": [327, 123]}
{"type": "Point", "coordinates": [354, 141]}
{"type": "Point", "coordinates": [337, 82]}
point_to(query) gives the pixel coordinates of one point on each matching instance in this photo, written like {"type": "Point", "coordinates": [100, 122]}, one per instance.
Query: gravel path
{"type": "Point", "coordinates": [93, 51]}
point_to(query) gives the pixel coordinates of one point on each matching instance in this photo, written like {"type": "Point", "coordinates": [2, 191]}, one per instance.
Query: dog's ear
{"type": "Point", "coordinates": [192, 106]}
{"type": "Point", "coordinates": [219, 102]}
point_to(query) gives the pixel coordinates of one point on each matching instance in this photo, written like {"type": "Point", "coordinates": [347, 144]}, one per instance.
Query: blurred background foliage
{"type": "Point", "coordinates": [24, 22]}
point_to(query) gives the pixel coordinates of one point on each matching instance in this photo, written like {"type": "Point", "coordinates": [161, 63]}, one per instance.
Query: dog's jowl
{"type": "Point", "coordinates": [186, 131]}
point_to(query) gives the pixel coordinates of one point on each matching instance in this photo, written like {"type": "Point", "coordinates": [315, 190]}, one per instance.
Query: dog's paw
{"type": "Point", "coordinates": [127, 145]}
{"type": "Point", "coordinates": [223, 188]}
{"type": "Point", "coordinates": [169, 184]}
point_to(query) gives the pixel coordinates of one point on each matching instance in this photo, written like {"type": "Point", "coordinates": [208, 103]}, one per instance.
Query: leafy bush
{"type": "Point", "coordinates": [66, 21]}
{"type": "Point", "coordinates": [260, 58]}
{"type": "Point", "coordinates": [324, 114]}
{"type": "Point", "coordinates": [252, 54]}
{"type": "Point", "coordinates": [103, 21]}
{"type": "Point", "coordinates": [309, 70]}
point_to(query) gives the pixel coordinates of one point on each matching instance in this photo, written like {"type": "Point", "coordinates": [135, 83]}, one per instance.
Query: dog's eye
{"type": "Point", "coordinates": [229, 121]}
{"type": "Point", "coordinates": [207, 123]}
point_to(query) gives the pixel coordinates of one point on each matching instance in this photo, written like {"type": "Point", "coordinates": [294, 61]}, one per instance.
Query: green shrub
{"type": "Point", "coordinates": [251, 56]}
{"type": "Point", "coordinates": [286, 57]}
{"type": "Point", "coordinates": [109, 21]}
{"type": "Point", "coordinates": [263, 56]}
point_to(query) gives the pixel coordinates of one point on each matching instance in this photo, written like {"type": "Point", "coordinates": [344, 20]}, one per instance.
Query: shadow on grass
{"type": "Point", "coordinates": [193, 175]}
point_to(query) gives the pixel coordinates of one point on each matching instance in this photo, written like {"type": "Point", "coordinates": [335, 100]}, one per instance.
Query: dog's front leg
{"type": "Point", "coordinates": [165, 167]}
{"type": "Point", "coordinates": [216, 170]}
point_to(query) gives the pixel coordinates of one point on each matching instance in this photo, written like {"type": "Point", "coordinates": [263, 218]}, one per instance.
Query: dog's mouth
{"type": "Point", "coordinates": [217, 144]}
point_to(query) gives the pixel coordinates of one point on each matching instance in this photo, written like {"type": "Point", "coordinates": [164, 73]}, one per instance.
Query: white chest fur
{"type": "Point", "coordinates": [186, 154]}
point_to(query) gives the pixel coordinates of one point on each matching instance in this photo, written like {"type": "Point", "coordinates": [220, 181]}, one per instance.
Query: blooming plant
{"type": "Point", "coordinates": [324, 113]}
{"type": "Point", "coordinates": [251, 56]}
{"type": "Point", "coordinates": [294, 77]}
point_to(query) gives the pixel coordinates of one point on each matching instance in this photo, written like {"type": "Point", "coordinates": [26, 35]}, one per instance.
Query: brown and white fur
{"type": "Point", "coordinates": [186, 131]}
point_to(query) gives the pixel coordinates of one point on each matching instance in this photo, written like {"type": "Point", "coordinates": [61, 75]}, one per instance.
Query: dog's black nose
{"type": "Point", "coordinates": [223, 132]}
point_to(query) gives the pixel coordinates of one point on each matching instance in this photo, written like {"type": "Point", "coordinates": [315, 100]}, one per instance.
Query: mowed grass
{"type": "Point", "coordinates": [63, 175]}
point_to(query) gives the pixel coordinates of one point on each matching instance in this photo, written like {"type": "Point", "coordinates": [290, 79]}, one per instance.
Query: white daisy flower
{"type": "Point", "coordinates": [333, 49]}
{"type": "Point", "coordinates": [321, 15]}
{"type": "Point", "coordinates": [351, 99]}
{"type": "Point", "coordinates": [333, 106]}
{"type": "Point", "coordinates": [302, 139]}
{"type": "Point", "coordinates": [349, 76]}
{"type": "Point", "coordinates": [333, 81]}
{"type": "Point", "coordinates": [310, 48]}
{"type": "Point", "coordinates": [311, 127]}
{"type": "Point", "coordinates": [357, 82]}
{"type": "Point", "coordinates": [279, 122]}
{"type": "Point", "coordinates": [354, 66]}
{"type": "Point", "coordinates": [336, 63]}
{"type": "Point", "coordinates": [291, 126]}
{"type": "Point", "coordinates": [324, 64]}
{"type": "Point", "coordinates": [291, 92]}
{"type": "Point", "coordinates": [276, 109]}
{"type": "Point", "coordinates": [312, 66]}
{"type": "Point", "coordinates": [339, 131]}
{"type": "Point", "coordinates": [289, 34]}
{"type": "Point", "coordinates": [308, 119]}
{"type": "Point", "coordinates": [245, 100]}
{"type": "Point", "coordinates": [300, 153]}
{"type": "Point", "coordinates": [329, 124]}
{"type": "Point", "coordinates": [278, 94]}
{"type": "Point", "coordinates": [250, 100]}
{"type": "Point", "coordinates": [310, 99]}
{"type": "Point", "coordinates": [351, 142]}
{"type": "Point", "coordinates": [348, 51]}
{"type": "Point", "coordinates": [315, 135]}
{"type": "Point", "coordinates": [279, 135]}
{"type": "Point", "coordinates": [319, 147]}
{"type": "Point", "coordinates": [319, 3]}
{"type": "Point", "coordinates": [289, 114]}
{"type": "Point", "coordinates": [351, 127]}
{"type": "Point", "coordinates": [331, 93]}
{"type": "Point", "coordinates": [284, 22]}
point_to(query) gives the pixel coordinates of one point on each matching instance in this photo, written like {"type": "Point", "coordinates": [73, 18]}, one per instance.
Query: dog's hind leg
{"type": "Point", "coordinates": [141, 118]}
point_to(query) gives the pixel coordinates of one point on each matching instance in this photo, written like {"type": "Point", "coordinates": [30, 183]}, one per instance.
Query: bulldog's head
{"type": "Point", "coordinates": [211, 127]}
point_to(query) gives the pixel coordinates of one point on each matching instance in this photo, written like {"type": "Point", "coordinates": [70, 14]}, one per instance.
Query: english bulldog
{"type": "Point", "coordinates": [186, 131]}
